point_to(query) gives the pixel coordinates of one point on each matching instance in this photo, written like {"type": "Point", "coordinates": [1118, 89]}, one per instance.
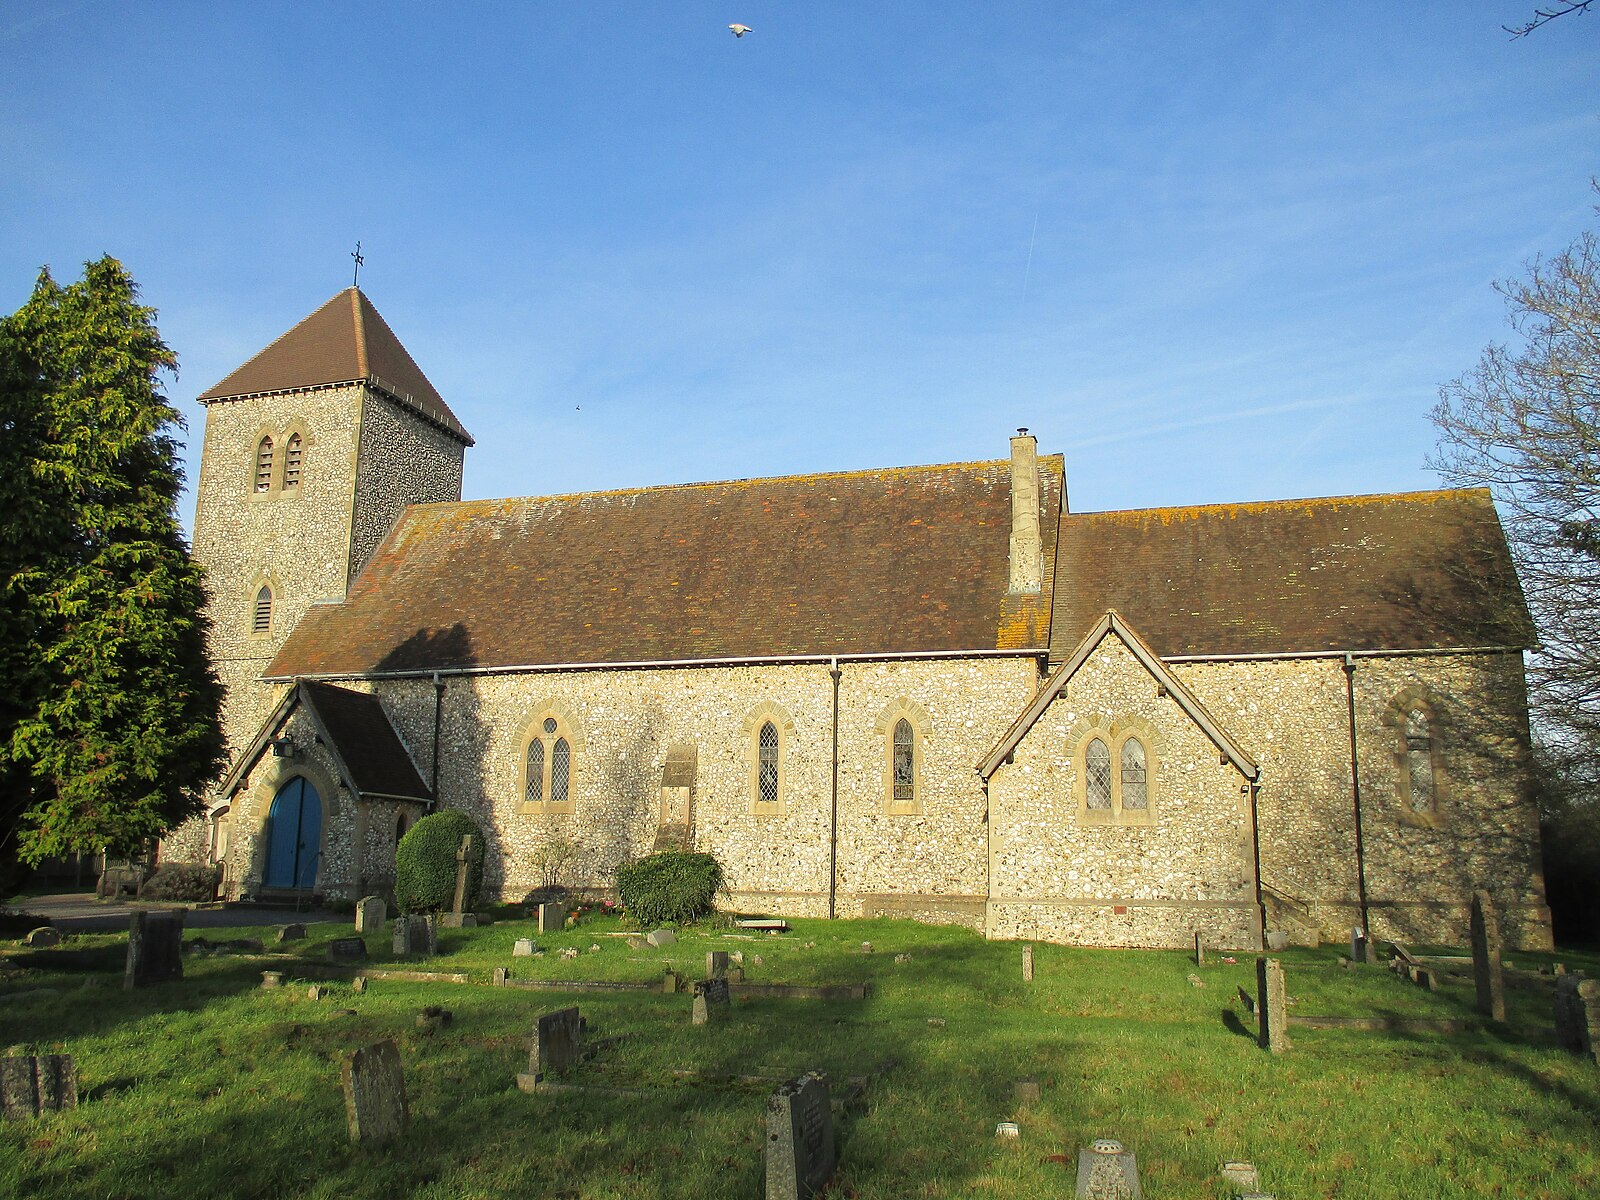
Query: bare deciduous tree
{"type": "Point", "coordinates": [1526, 423]}
{"type": "Point", "coordinates": [1543, 16]}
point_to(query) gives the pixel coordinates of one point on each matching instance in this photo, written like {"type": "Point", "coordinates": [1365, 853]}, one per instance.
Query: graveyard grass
{"type": "Point", "coordinates": [215, 1087]}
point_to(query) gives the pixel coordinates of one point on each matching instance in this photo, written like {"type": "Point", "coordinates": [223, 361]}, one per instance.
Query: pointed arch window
{"type": "Point", "coordinates": [1419, 760]}
{"type": "Point", "coordinates": [903, 789]}
{"type": "Point", "coordinates": [292, 454]}
{"type": "Point", "coordinates": [261, 618]}
{"type": "Point", "coordinates": [1097, 775]}
{"type": "Point", "coordinates": [264, 465]}
{"type": "Point", "coordinates": [1135, 792]}
{"type": "Point", "coordinates": [548, 765]}
{"type": "Point", "coordinates": [1117, 762]}
{"type": "Point", "coordinates": [767, 764]}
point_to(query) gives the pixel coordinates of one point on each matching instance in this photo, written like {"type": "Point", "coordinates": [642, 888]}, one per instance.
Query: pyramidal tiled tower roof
{"type": "Point", "coordinates": [344, 341]}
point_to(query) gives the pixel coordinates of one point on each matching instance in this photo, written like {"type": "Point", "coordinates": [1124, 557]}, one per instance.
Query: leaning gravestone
{"type": "Point", "coordinates": [661, 937]}
{"type": "Point", "coordinates": [716, 964]}
{"type": "Point", "coordinates": [710, 1001]}
{"type": "Point", "coordinates": [1487, 971]}
{"type": "Point", "coordinates": [1272, 1011]}
{"type": "Point", "coordinates": [155, 949]}
{"type": "Point", "coordinates": [552, 918]}
{"type": "Point", "coordinates": [31, 1085]}
{"type": "Point", "coordinates": [1578, 1015]}
{"type": "Point", "coordinates": [556, 1038]}
{"type": "Point", "coordinates": [800, 1149]}
{"type": "Point", "coordinates": [375, 1093]}
{"type": "Point", "coordinates": [1360, 947]}
{"type": "Point", "coordinates": [1107, 1172]}
{"type": "Point", "coordinates": [371, 913]}
{"type": "Point", "coordinates": [351, 949]}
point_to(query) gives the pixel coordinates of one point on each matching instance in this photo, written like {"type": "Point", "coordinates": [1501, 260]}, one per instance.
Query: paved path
{"type": "Point", "coordinates": [81, 912]}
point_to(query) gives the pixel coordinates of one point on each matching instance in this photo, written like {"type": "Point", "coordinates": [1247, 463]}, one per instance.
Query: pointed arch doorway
{"type": "Point", "coordinates": [294, 835]}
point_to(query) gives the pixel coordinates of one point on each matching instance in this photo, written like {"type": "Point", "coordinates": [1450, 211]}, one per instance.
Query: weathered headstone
{"type": "Point", "coordinates": [291, 933]}
{"type": "Point", "coordinates": [31, 1085]}
{"type": "Point", "coordinates": [661, 937]}
{"type": "Point", "coordinates": [455, 920]}
{"type": "Point", "coordinates": [375, 1093]}
{"type": "Point", "coordinates": [710, 1001]}
{"type": "Point", "coordinates": [351, 949]}
{"type": "Point", "coordinates": [552, 917]}
{"type": "Point", "coordinates": [43, 937]}
{"type": "Point", "coordinates": [670, 981]}
{"type": "Point", "coordinates": [1360, 947]}
{"type": "Point", "coordinates": [556, 1046]}
{"type": "Point", "coordinates": [1426, 978]}
{"type": "Point", "coordinates": [800, 1149]}
{"type": "Point", "coordinates": [1027, 964]}
{"type": "Point", "coordinates": [716, 964]}
{"type": "Point", "coordinates": [416, 934]}
{"type": "Point", "coordinates": [317, 991]}
{"type": "Point", "coordinates": [1272, 1011]}
{"type": "Point", "coordinates": [371, 913]}
{"type": "Point", "coordinates": [1106, 1171]}
{"type": "Point", "coordinates": [498, 979]}
{"type": "Point", "coordinates": [358, 984]}
{"type": "Point", "coordinates": [1025, 1092]}
{"type": "Point", "coordinates": [1577, 1007]}
{"type": "Point", "coordinates": [1277, 940]}
{"type": "Point", "coordinates": [1241, 1176]}
{"type": "Point", "coordinates": [1487, 971]}
{"type": "Point", "coordinates": [155, 949]}
{"type": "Point", "coordinates": [635, 942]}
{"type": "Point", "coordinates": [1199, 949]}
{"type": "Point", "coordinates": [523, 948]}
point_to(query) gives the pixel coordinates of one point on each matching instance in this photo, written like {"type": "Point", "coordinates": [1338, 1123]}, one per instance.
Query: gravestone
{"type": "Point", "coordinates": [716, 964]}
{"type": "Point", "coordinates": [635, 942]}
{"type": "Point", "coordinates": [523, 948]}
{"type": "Point", "coordinates": [416, 934]}
{"type": "Point", "coordinates": [1360, 947]}
{"type": "Point", "coordinates": [1027, 964]}
{"type": "Point", "coordinates": [1106, 1171]}
{"type": "Point", "coordinates": [1426, 978]}
{"type": "Point", "coordinates": [1025, 1092]}
{"type": "Point", "coordinates": [1241, 1176]}
{"type": "Point", "coordinates": [556, 1037]}
{"type": "Point", "coordinates": [1199, 949]}
{"type": "Point", "coordinates": [1487, 971]}
{"type": "Point", "coordinates": [1277, 940]}
{"type": "Point", "coordinates": [317, 991]}
{"type": "Point", "coordinates": [375, 1093]}
{"type": "Point", "coordinates": [498, 979]}
{"type": "Point", "coordinates": [31, 1085]}
{"type": "Point", "coordinates": [552, 917]}
{"type": "Point", "coordinates": [371, 913]}
{"type": "Point", "coordinates": [1272, 1011]}
{"type": "Point", "coordinates": [43, 937]}
{"type": "Point", "coordinates": [455, 920]}
{"type": "Point", "coordinates": [670, 981]}
{"type": "Point", "coordinates": [155, 949]}
{"type": "Point", "coordinates": [291, 933]}
{"type": "Point", "coordinates": [434, 1017]}
{"type": "Point", "coordinates": [351, 949]}
{"type": "Point", "coordinates": [1577, 1007]}
{"type": "Point", "coordinates": [710, 1001]}
{"type": "Point", "coordinates": [271, 979]}
{"type": "Point", "coordinates": [800, 1149]}
{"type": "Point", "coordinates": [661, 937]}
{"type": "Point", "coordinates": [358, 984]}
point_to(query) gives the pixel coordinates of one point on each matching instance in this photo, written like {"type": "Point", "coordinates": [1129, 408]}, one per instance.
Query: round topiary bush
{"type": "Point", "coordinates": [671, 886]}
{"type": "Point", "coordinates": [425, 863]}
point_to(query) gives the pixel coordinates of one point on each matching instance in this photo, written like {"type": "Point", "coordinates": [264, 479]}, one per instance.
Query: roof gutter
{"type": "Point", "coordinates": [1341, 655]}
{"type": "Point", "coordinates": [657, 664]}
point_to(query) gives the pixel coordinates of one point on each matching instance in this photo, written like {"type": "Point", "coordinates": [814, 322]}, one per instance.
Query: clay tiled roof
{"type": "Point", "coordinates": [907, 560]}
{"type": "Point", "coordinates": [344, 341]}
{"type": "Point", "coordinates": [1398, 572]}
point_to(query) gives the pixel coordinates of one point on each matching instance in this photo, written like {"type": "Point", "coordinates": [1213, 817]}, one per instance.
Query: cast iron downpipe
{"type": "Point", "coordinates": [1355, 792]}
{"type": "Point", "coordinates": [438, 713]}
{"type": "Point", "coordinates": [835, 674]}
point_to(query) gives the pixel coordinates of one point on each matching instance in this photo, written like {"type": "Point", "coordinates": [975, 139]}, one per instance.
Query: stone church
{"type": "Point", "coordinates": [931, 691]}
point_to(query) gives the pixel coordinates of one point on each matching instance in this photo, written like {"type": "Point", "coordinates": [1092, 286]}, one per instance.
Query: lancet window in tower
{"type": "Point", "coordinates": [261, 622]}
{"type": "Point", "coordinates": [291, 463]}
{"type": "Point", "coordinates": [264, 465]}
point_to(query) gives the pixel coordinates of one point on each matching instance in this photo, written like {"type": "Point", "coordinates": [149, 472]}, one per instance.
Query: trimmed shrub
{"type": "Point", "coordinates": [672, 886]}
{"type": "Point", "coordinates": [425, 863]}
{"type": "Point", "coordinates": [195, 883]}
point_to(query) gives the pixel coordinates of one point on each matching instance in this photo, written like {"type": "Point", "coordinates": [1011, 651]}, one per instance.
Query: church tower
{"type": "Point", "coordinates": [312, 448]}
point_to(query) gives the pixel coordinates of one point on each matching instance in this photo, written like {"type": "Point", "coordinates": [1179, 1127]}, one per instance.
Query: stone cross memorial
{"type": "Point", "coordinates": [458, 917]}
{"type": "Point", "coordinates": [556, 1037]}
{"type": "Point", "coordinates": [800, 1148]}
{"type": "Point", "coordinates": [31, 1085]}
{"type": "Point", "coordinates": [710, 1001]}
{"type": "Point", "coordinates": [1487, 970]}
{"type": "Point", "coordinates": [371, 913]}
{"type": "Point", "coordinates": [155, 949]}
{"type": "Point", "coordinates": [1272, 1011]}
{"type": "Point", "coordinates": [375, 1093]}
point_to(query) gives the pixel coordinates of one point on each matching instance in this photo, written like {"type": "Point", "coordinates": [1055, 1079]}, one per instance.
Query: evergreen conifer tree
{"type": "Point", "coordinates": [112, 730]}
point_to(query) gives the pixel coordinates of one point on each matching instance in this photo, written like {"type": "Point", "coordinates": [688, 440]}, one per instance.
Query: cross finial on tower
{"type": "Point", "coordinates": [356, 254]}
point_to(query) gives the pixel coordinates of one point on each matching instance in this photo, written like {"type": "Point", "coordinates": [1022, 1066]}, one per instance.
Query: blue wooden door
{"type": "Point", "coordinates": [294, 835]}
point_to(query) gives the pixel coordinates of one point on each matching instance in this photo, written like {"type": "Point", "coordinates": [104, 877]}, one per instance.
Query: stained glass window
{"type": "Point", "coordinates": [1097, 775]}
{"type": "Point", "coordinates": [1419, 760]}
{"type": "Point", "coordinates": [905, 784]}
{"type": "Point", "coordinates": [1135, 793]}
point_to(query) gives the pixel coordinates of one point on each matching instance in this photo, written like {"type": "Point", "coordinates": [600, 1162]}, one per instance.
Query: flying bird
{"type": "Point", "coordinates": [740, 30]}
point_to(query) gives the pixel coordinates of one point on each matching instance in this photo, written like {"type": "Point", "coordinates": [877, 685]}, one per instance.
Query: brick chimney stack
{"type": "Point", "coordinates": [1027, 551]}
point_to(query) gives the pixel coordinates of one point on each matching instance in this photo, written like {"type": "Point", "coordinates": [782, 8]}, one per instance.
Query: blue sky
{"type": "Point", "coordinates": [1211, 252]}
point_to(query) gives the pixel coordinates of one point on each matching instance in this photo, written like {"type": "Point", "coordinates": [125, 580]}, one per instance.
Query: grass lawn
{"type": "Point", "coordinates": [213, 1087]}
